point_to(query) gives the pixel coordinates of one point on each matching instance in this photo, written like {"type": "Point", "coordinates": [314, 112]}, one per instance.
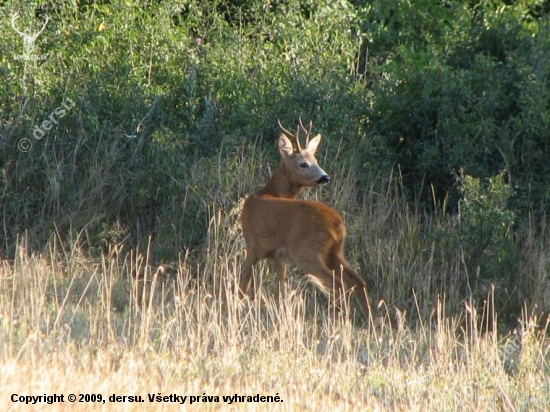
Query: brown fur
{"type": "Point", "coordinates": [311, 234]}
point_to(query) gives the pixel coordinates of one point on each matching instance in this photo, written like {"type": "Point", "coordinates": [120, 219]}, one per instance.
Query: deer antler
{"type": "Point", "coordinates": [25, 35]}
{"type": "Point", "coordinates": [306, 131]}
{"type": "Point", "coordinates": [13, 19]}
{"type": "Point", "coordinates": [285, 132]}
{"type": "Point", "coordinates": [293, 137]}
{"type": "Point", "coordinates": [44, 26]}
{"type": "Point", "coordinates": [297, 140]}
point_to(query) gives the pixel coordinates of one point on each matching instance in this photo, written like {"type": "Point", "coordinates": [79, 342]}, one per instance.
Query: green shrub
{"type": "Point", "coordinates": [486, 235]}
{"type": "Point", "coordinates": [466, 89]}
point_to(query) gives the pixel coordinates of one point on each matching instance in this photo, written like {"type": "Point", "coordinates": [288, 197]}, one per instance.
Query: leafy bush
{"type": "Point", "coordinates": [467, 89]}
{"type": "Point", "coordinates": [486, 234]}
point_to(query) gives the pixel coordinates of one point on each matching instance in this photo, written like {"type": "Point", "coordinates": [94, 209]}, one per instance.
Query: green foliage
{"type": "Point", "coordinates": [486, 234]}
{"type": "Point", "coordinates": [161, 91]}
{"type": "Point", "coordinates": [466, 89]}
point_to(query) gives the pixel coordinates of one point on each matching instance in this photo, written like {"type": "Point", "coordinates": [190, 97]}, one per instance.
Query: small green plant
{"type": "Point", "coordinates": [486, 232]}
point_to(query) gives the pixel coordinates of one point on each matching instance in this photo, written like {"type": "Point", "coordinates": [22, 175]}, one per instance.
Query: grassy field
{"type": "Point", "coordinates": [76, 325]}
{"type": "Point", "coordinates": [120, 242]}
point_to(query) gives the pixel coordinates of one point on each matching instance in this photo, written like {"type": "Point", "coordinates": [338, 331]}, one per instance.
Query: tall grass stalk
{"type": "Point", "coordinates": [121, 325]}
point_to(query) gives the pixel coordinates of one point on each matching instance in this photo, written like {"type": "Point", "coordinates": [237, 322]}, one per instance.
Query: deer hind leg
{"type": "Point", "coordinates": [314, 266]}
{"type": "Point", "coordinates": [351, 281]}
{"type": "Point", "coordinates": [358, 285]}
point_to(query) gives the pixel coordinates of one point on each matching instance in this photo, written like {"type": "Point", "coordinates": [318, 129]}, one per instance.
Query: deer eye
{"type": "Point", "coordinates": [304, 164]}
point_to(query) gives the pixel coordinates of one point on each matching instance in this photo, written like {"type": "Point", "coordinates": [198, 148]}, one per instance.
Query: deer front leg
{"type": "Point", "coordinates": [281, 270]}
{"type": "Point", "coordinates": [246, 274]}
{"type": "Point", "coordinates": [281, 276]}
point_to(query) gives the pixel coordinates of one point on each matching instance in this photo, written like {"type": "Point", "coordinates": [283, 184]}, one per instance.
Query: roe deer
{"type": "Point", "coordinates": [276, 225]}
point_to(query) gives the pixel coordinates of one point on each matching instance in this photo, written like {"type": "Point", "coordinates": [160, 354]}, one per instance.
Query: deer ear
{"type": "Point", "coordinates": [285, 146]}
{"type": "Point", "coordinates": [313, 144]}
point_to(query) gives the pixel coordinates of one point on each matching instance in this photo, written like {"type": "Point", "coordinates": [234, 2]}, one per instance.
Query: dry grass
{"type": "Point", "coordinates": [72, 324]}
{"type": "Point", "coordinates": [121, 324]}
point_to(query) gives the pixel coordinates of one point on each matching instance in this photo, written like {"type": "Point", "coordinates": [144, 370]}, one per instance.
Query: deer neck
{"type": "Point", "coordinates": [280, 185]}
